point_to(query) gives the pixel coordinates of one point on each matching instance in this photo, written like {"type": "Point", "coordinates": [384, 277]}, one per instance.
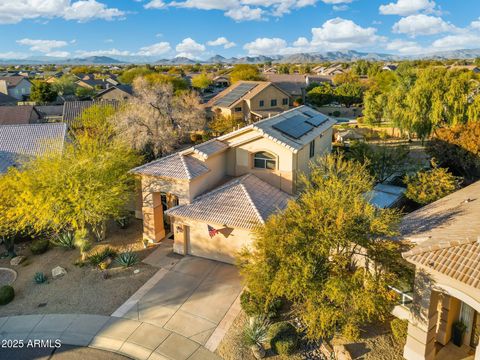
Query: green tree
{"type": "Point", "coordinates": [201, 81]}
{"type": "Point", "coordinates": [84, 93]}
{"type": "Point", "coordinates": [321, 94]}
{"type": "Point", "coordinates": [426, 187]}
{"type": "Point", "coordinates": [65, 85]}
{"type": "Point", "coordinates": [42, 92]}
{"type": "Point", "coordinates": [129, 75]}
{"type": "Point", "coordinates": [313, 253]}
{"type": "Point", "coordinates": [224, 124]}
{"type": "Point", "coordinates": [374, 104]}
{"type": "Point", "coordinates": [349, 93]}
{"type": "Point", "coordinates": [245, 72]}
{"type": "Point", "coordinates": [177, 83]}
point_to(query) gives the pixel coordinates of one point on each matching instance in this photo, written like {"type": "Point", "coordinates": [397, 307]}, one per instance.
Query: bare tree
{"type": "Point", "coordinates": [158, 119]}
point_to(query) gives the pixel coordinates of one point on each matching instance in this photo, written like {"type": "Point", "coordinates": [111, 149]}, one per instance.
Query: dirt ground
{"type": "Point", "coordinates": [82, 289]}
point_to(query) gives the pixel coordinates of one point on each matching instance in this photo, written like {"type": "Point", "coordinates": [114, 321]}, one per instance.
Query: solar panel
{"type": "Point", "coordinates": [310, 113]}
{"type": "Point", "coordinates": [235, 94]}
{"type": "Point", "coordinates": [316, 121]}
{"type": "Point", "coordinates": [295, 127]}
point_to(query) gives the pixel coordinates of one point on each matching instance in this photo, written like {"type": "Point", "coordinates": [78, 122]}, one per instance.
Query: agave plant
{"type": "Point", "coordinates": [40, 277]}
{"type": "Point", "coordinates": [127, 259]}
{"type": "Point", "coordinates": [255, 334]}
{"type": "Point", "coordinates": [65, 239]}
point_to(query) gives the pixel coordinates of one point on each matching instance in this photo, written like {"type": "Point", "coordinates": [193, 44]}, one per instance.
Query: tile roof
{"type": "Point", "coordinates": [13, 80]}
{"type": "Point", "coordinates": [21, 114]}
{"type": "Point", "coordinates": [176, 166]}
{"type": "Point", "coordinates": [73, 109]}
{"type": "Point", "coordinates": [7, 99]}
{"type": "Point", "coordinates": [17, 141]}
{"type": "Point", "coordinates": [209, 148]}
{"type": "Point", "coordinates": [243, 202]}
{"type": "Point", "coordinates": [447, 235]}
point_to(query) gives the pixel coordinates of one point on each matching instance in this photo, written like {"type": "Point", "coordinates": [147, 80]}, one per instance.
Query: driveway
{"type": "Point", "coordinates": [193, 297]}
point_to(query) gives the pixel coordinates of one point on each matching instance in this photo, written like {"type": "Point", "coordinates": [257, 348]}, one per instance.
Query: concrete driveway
{"type": "Point", "coordinates": [193, 297]}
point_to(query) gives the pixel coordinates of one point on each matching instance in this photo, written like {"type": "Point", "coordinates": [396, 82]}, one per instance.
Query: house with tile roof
{"type": "Point", "coordinates": [249, 101]}
{"type": "Point", "coordinates": [21, 114]}
{"type": "Point", "coordinates": [210, 196]}
{"type": "Point", "coordinates": [16, 86]}
{"type": "Point", "coordinates": [446, 254]}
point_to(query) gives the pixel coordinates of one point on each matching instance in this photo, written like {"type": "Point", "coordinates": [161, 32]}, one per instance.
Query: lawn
{"type": "Point", "coordinates": [82, 289]}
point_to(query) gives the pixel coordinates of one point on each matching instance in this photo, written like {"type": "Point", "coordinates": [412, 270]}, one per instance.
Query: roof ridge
{"type": "Point", "coordinates": [419, 249]}
{"type": "Point", "coordinates": [185, 166]}
{"type": "Point", "coordinates": [153, 162]}
{"type": "Point", "coordinates": [249, 198]}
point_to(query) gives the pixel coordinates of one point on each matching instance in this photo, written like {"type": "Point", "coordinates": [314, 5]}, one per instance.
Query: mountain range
{"type": "Point", "coordinates": [344, 56]}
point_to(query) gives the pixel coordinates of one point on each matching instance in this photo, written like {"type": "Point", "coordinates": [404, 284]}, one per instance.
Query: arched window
{"type": "Point", "coordinates": [264, 160]}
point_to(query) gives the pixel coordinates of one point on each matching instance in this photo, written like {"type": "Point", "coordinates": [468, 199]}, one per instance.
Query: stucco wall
{"type": "Point", "coordinates": [268, 94]}
{"type": "Point", "coordinates": [222, 247]}
{"type": "Point", "coordinates": [218, 170]}
{"type": "Point", "coordinates": [323, 145]}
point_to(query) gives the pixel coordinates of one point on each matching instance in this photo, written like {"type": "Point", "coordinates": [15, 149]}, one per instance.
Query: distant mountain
{"type": "Point", "coordinates": [217, 59]}
{"type": "Point", "coordinates": [180, 60]}
{"type": "Point", "coordinates": [94, 60]}
{"type": "Point", "coordinates": [454, 54]}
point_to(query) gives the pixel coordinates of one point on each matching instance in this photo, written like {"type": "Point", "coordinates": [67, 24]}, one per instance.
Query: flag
{"type": "Point", "coordinates": [211, 231]}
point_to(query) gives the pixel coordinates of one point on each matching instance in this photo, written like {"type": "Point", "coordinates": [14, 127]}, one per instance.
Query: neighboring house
{"type": "Point", "coordinates": [21, 114]}
{"type": "Point", "coordinates": [20, 142]}
{"type": "Point", "coordinates": [295, 84]}
{"type": "Point", "coordinates": [221, 81]}
{"type": "Point", "coordinates": [249, 100]}
{"type": "Point", "coordinates": [7, 100]}
{"type": "Point", "coordinates": [346, 136]}
{"type": "Point", "coordinates": [331, 70]}
{"type": "Point", "coordinates": [73, 109]}
{"type": "Point", "coordinates": [92, 84]}
{"type": "Point", "coordinates": [446, 235]}
{"type": "Point", "coordinates": [390, 67]}
{"type": "Point", "coordinates": [18, 87]}
{"type": "Point", "coordinates": [50, 113]}
{"type": "Point", "coordinates": [212, 195]}
{"type": "Point", "coordinates": [118, 93]}
{"type": "Point", "coordinates": [386, 196]}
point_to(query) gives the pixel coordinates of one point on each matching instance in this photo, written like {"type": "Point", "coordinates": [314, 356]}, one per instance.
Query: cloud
{"type": "Point", "coordinates": [421, 24]}
{"type": "Point", "coordinates": [340, 7]}
{"type": "Point", "coordinates": [43, 46]}
{"type": "Point", "coordinates": [60, 54]}
{"type": "Point", "coordinates": [221, 41]}
{"type": "Point", "coordinates": [110, 52]}
{"type": "Point", "coordinates": [475, 24]}
{"type": "Point", "coordinates": [189, 48]}
{"type": "Point", "coordinates": [14, 11]}
{"type": "Point", "coordinates": [456, 42]}
{"type": "Point", "coordinates": [13, 55]}
{"type": "Point", "coordinates": [404, 47]}
{"type": "Point", "coordinates": [242, 10]}
{"type": "Point", "coordinates": [159, 48]}
{"type": "Point", "coordinates": [407, 7]}
{"type": "Point", "coordinates": [265, 46]}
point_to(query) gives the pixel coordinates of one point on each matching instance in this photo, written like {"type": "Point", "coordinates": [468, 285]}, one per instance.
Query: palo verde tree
{"type": "Point", "coordinates": [314, 253]}
{"type": "Point", "coordinates": [43, 92]}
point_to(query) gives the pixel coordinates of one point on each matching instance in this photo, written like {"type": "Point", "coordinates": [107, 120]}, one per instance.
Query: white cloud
{"type": "Point", "coordinates": [221, 41]}
{"type": "Point", "coordinates": [340, 7]}
{"type": "Point", "coordinates": [155, 49]}
{"type": "Point", "coordinates": [59, 54]}
{"type": "Point", "coordinates": [43, 46]}
{"type": "Point", "coordinates": [475, 24]}
{"type": "Point", "coordinates": [14, 11]}
{"type": "Point", "coordinates": [337, 1]}
{"type": "Point", "coordinates": [242, 10]}
{"type": "Point", "coordinates": [407, 7]}
{"type": "Point", "coordinates": [301, 42]}
{"type": "Point", "coordinates": [266, 46]}
{"type": "Point", "coordinates": [110, 52]}
{"type": "Point", "coordinates": [404, 47]}
{"type": "Point", "coordinates": [13, 55]}
{"type": "Point", "coordinates": [458, 41]}
{"type": "Point", "coordinates": [421, 24]}
{"type": "Point", "coordinates": [189, 48]}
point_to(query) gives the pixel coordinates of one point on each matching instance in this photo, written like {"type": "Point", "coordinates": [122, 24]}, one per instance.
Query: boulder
{"type": "Point", "coordinates": [341, 352]}
{"type": "Point", "coordinates": [17, 260]}
{"type": "Point", "coordinates": [58, 272]}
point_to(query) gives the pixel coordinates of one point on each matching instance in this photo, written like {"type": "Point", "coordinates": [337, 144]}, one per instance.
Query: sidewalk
{"type": "Point", "coordinates": [131, 338]}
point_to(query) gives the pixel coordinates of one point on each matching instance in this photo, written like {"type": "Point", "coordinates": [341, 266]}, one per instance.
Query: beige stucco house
{"type": "Point", "coordinates": [249, 101]}
{"type": "Point", "coordinates": [209, 197]}
{"type": "Point", "coordinates": [446, 255]}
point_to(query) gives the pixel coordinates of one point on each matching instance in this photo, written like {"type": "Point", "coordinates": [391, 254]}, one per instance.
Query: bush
{"type": "Point", "coordinates": [65, 239]}
{"type": "Point", "coordinates": [255, 306]}
{"type": "Point", "coordinates": [6, 294]}
{"type": "Point", "coordinates": [283, 338]}
{"type": "Point", "coordinates": [39, 246]}
{"type": "Point", "coordinates": [256, 331]}
{"type": "Point", "coordinates": [336, 113]}
{"type": "Point", "coordinates": [127, 259]}
{"type": "Point", "coordinates": [399, 329]}
{"type": "Point", "coordinates": [39, 277]}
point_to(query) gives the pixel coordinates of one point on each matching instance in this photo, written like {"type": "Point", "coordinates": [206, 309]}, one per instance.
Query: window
{"type": "Point", "coordinates": [262, 103]}
{"type": "Point", "coordinates": [285, 101]}
{"type": "Point", "coordinates": [273, 102]}
{"type": "Point", "coordinates": [264, 160]}
{"type": "Point", "coordinates": [312, 148]}
{"type": "Point", "coordinates": [238, 109]}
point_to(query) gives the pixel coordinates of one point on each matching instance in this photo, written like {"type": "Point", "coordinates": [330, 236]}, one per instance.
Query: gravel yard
{"type": "Point", "coordinates": [82, 289]}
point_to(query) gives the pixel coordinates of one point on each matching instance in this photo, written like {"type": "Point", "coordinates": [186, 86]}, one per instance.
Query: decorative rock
{"type": "Point", "coordinates": [58, 272]}
{"type": "Point", "coordinates": [17, 260]}
{"type": "Point", "coordinates": [136, 271]}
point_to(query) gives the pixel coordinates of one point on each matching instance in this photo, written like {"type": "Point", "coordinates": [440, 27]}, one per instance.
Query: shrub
{"type": "Point", "coordinates": [127, 259]}
{"type": "Point", "coordinates": [39, 277]}
{"type": "Point", "coordinates": [100, 256]}
{"type": "Point", "coordinates": [123, 221]}
{"type": "Point", "coordinates": [336, 113]}
{"type": "Point", "coordinates": [39, 246]}
{"type": "Point", "coordinates": [256, 331]}
{"type": "Point", "coordinates": [65, 239]}
{"type": "Point", "coordinates": [255, 306]}
{"type": "Point", "coordinates": [6, 294]}
{"type": "Point", "coordinates": [283, 338]}
{"type": "Point", "coordinates": [399, 329]}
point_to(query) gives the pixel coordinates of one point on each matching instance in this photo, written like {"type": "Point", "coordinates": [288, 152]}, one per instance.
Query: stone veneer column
{"type": "Point", "coordinates": [153, 228]}
{"type": "Point", "coordinates": [422, 325]}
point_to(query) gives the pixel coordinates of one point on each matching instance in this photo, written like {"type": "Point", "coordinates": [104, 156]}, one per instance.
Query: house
{"type": "Point", "coordinates": [7, 100]}
{"type": "Point", "coordinates": [249, 100]}
{"type": "Point", "coordinates": [92, 84]}
{"type": "Point", "coordinates": [19, 142]}
{"type": "Point", "coordinates": [18, 86]}
{"type": "Point", "coordinates": [331, 70]}
{"type": "Point", "coordinates": [386, 196]}
{"type": "Point", "coordinates": [212, 195]}
{"type": "Point", "coordinates": [346, 136]}
{"type": "Point", "coordinates": [295, 84]}
{"type": "Point", "coordinates": [21, 114]}
{"type": "Point", "coordinates": [446, 256]}
{"type": "Point", "coordinates": [389, 67]}
{"type": "Point", "coordinates": [221, 81]}
{"type": "Point", "coordinates": [116, 92]}
{"type": "Point", "coordinates": [72, 110]}
{"type": "Point", "coordinates": [50, 113]}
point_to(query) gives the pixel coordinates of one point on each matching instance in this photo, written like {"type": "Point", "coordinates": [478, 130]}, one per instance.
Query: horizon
{"type": "Point", "coordinates": [151, 30]}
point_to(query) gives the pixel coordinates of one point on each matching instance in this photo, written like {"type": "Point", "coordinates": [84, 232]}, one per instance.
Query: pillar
{"type": "Point", "coordinates": [448, 315]}
{"type": "Point", "coordinates": [422, 327]}
{"type": "Point", "coordinates": [153, 227]}
{"type": "Point", "coordinates": [477, 352]}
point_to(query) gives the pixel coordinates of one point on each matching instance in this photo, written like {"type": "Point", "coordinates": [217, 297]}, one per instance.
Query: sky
{"type": "Point", "coordinates": [199, 29]}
